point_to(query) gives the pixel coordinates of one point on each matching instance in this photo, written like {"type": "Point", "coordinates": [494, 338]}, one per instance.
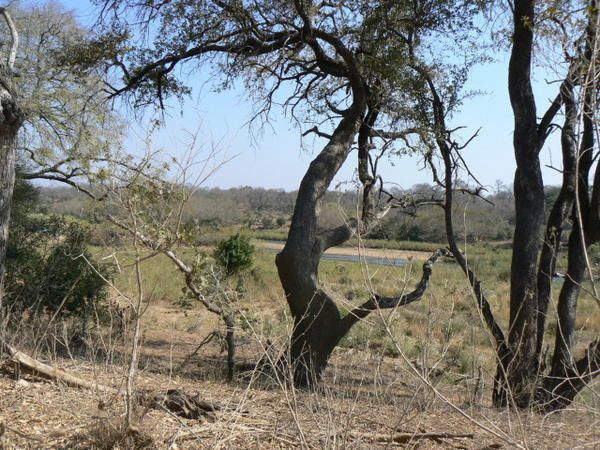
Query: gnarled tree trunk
{"type": "Point", "coordinates": [315, 314]}
{"type": "Point", "coordinates": [559, 212]}
{"type": "Point", "coordinates": [567, 376]}
{"type": "Point", "coordinates": [521, 378]}
{"type": "Point", "coordinates": [318, 324]}
{"type": "Point", "coordinates": [11, 119]}
{"type": "Point", "coordinates": [529, 213]}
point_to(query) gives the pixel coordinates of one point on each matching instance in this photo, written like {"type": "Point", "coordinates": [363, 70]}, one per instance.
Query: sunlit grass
{"type": "Point", "coordinates": [444, 328]}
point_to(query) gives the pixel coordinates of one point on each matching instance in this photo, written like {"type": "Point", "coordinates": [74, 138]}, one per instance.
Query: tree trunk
{"type": "Point", "coordinates": [567, 377]}
{"type": "Point", "coordinates": [567, 305]}
{"type": "Point", "coordinates": [318, 325]}
{"type": "Point", "coordinates": [521, 369]}
{"type": "Point", "coordinates": [11, 119]}
{"type": "Point", "coordinates": [230, 340]}
{"type": "Point", "coordinates": [559, 213]}
{"type": "Point", "coordinates": [316, 317]}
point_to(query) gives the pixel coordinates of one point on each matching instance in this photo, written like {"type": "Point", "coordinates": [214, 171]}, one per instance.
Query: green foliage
{"type": "Point", "coordinates": [68, 123]}
{"type": "Point", "coordinates": [49, 267]}
{"type": "Point", "coordinates": [235, 253]}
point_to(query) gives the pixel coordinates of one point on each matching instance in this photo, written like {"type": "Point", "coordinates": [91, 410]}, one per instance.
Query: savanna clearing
{"type": "Point", "coordinates": [396, 378]}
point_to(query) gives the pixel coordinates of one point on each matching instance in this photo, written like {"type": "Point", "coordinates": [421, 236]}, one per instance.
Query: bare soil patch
{"type": "Point", "coordinates": [408, 255]}
{"type": "Point", "coordinates": [366, 402]}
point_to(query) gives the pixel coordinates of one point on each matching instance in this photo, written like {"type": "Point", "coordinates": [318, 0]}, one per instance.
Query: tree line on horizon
{"type": "Point", "coordinates": [487, 219]}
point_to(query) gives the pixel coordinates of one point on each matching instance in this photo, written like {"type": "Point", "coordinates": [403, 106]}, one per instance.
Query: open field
{"type": "Point", "coordinates": [399, 371]}
{"type": "Point", "coordinates": [417, 246]}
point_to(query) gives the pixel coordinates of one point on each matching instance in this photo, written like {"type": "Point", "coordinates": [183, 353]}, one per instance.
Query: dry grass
{"type": "Point", "coordinates": [370, 392]}
{"type": "Point", "coordinates": [363, 397]}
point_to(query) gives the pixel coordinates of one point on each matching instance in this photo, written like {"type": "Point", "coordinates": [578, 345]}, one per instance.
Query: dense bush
{"type": "Point", "coordinates": [49, 267]}
{"type": "Point", "coordinates": [235, 253]}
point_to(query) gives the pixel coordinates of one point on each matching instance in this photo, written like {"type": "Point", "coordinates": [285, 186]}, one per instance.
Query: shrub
{"type": "Point", "coordinates": [235, 253]}
{"type": "Point", "coordinates": [49, 267]}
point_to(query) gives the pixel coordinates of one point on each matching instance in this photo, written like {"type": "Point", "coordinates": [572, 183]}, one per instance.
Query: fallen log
{"type": "Point", "coordinates": [183, 405]}
{"type": "Point", "coordinates": [175, 401]}
{"type": "Point", "coordinates": [52, 373]}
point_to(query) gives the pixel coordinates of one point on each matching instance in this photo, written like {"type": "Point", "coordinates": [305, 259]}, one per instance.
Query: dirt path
{"type": "Point", "coordinates": [355, 251]}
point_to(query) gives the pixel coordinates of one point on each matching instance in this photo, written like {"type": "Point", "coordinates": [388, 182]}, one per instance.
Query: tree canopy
{"type": "Point", "coordinates": [69, 124]}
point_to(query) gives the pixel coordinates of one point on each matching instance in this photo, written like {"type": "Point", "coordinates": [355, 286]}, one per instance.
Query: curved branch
{"type": "Point", "coordinates": [337, 236]}
{"type": "Point", "coordinates": [381, 302]}
{"type": "Point", "coordinates": [316, 131]}
{"type": "Point", "coordinates": [250, 47]}
{"type": "Point", "coordinates": [62, 179]}
{"type": "Point", "coordinates": [12, 55]}
{"type": "Point", "coordinates": [187, 271]}
{"type": "Point", "coordinates": [544, 127]}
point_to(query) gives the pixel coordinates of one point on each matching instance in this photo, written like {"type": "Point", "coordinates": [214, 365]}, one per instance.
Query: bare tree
{"type": "Point", "coordinates": [150, 204]}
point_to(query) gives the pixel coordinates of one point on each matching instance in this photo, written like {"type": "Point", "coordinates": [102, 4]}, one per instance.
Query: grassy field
{"type": "Point", "coordinates": [280, 235]}
{"type": "Point", "coordinates": [426, 367]}
{"type": "Point", "coordinates": [443, 329]}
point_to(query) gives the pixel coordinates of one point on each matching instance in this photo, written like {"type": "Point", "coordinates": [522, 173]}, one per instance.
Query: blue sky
{"type": "Point", "coordinates": [275, 159]}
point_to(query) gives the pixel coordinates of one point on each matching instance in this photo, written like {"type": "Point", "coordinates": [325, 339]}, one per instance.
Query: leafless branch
{"type": "Point", "coordinates": [14, 46]}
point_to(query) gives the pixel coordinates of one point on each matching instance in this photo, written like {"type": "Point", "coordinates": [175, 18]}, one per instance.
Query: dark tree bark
{"type": "Point", "coordinates": [230, 340]}
{"type": "Point", "coordinates": [520, 379]}
{"type": "Point", "coordinates": [560, 392]}
{"type": "Point", "coordinates": [315, 314]}
{"type": "Point", "coordinates": [576, 265]}
{"type": "Point", "coordinates": [529, 212]}
{"type": "Point", "coordinates": [567, 376]}
{"type": "Point", "coordinates": [319, 326]}
{"type": "Point", "coordinates": [559, 212]}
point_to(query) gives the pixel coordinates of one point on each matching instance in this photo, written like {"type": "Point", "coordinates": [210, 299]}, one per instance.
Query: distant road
{"type": "Point", "coordinates": [381, 256]}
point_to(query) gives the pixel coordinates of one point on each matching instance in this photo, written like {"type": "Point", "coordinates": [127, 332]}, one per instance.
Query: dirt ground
{"type": "Point", "coordinates": [357, 251]}
{"type": "Point", "coordinates": [365, 402]}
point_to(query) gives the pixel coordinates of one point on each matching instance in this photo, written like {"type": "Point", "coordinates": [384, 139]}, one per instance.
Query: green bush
{"type": "Point", "coordinates": [49, 267]}
{"type": "Point", "coordinates": [235, 253]}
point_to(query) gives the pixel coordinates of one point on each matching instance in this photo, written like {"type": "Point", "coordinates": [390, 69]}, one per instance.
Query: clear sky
{"type": "Point", "coordinates": [275, 159]}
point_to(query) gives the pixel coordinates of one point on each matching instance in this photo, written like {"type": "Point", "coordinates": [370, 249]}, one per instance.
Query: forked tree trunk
{"type": "Point", "coordinates": [520, 379]}
{"type": "Point", "coordinates": [558, 214]}
{"type": "Point", "coordinates": [316, 317]}
{"type": "Point", "coordinates": [567, 376]}
{"type": "Point", "coordinates": [318, 324]}
{"type": "Point", "coordinates": [521, 369]}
